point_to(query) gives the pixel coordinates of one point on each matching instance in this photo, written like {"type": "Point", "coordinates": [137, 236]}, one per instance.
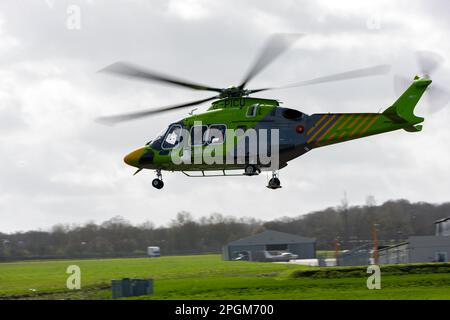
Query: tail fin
{"type": "Point", "coordinates": [402, 111]}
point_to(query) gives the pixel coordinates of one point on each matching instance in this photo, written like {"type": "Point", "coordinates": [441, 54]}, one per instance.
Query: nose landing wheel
{"type": "Point", "coordinates": [274, 183]}
{"type": "Point", "coordinates": [158, 183]}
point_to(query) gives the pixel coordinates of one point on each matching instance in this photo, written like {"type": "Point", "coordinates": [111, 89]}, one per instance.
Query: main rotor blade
{"type": "Point", "coordinates": [110, 120]}
{"type": "Point", "coordinates": [359, 73]}
{"type": "Point", "coordinates": [428, 61]}
{"type": "Point", "coordinates": [129, 70]}
{"type": "Point", "coordinates": [275, 46]}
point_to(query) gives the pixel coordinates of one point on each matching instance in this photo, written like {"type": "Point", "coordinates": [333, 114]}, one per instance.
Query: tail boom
{"type": "Point", "coordinates": [326, 129]}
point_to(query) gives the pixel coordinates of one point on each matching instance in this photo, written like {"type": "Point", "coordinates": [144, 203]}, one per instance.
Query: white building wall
{"type": "Point", "coordinates": [429, 248]}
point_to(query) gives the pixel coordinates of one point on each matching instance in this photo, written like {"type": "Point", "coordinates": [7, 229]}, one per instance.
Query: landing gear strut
{"type": "Point", "coordinates": [158, 183]}
{"type": "Point", "coordinates": [274, 183]}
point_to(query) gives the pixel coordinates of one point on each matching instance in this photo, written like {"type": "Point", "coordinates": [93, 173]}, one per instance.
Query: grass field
{"type": "Point", "coordinates": [208, 277]}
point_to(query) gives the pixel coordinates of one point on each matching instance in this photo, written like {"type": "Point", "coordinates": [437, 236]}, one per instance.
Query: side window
{"type": "Point", "coordinates": [292, 114]}
{"type": "Point", "coordinates": [172, 137]}
{"type": "Point", "coordinates": [216, 133]}
{"type": "Point", "coordinates": [251, 111]}
{"type": "Point", "coordinates": [198, 135]}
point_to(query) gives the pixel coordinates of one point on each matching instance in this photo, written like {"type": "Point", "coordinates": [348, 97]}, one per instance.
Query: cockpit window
{"type": "Point", "coordinates": [172, 137]}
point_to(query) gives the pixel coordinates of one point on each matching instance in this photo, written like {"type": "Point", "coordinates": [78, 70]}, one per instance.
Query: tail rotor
{"type": "Point", "coordinates": [429, 63]}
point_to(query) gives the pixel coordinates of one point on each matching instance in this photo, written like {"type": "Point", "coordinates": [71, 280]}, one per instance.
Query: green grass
{"type": "Point", "coordinates": [208, 277]}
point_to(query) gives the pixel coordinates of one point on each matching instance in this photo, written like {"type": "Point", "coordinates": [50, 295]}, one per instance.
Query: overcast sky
{"type": "Point", "coordinates": [59, 166]}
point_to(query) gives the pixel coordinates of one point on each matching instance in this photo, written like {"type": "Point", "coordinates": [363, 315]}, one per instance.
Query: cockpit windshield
{"type": "Point", "coordinates": [172, 137]}
{"type": "Point", "coordinates": [168, 138]}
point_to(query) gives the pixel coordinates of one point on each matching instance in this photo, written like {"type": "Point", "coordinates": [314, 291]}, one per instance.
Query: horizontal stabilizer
{"type": "Point", "coordinates": [417, 128]}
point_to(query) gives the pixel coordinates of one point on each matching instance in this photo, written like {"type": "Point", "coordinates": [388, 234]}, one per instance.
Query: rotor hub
{"type": "Point", "coordinates": [233, 92]}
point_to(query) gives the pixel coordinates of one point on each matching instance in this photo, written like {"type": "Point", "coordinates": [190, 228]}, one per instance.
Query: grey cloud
{"type": "Point", "coordinates": [58, 165]}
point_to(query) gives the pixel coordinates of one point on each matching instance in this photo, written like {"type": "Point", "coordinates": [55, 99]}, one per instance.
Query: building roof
{"type": "Point", "coordinates": [393, 246]}
{"type": "Point", "coordinates": [272, 237]}
{"type": "Point", "coordinates": [442, 220]}
{"type": "Point", "coordinates": [419, 240]}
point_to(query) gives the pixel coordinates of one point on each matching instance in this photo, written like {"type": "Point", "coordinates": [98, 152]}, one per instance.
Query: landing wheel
{"type": "Point", "coordinates": [274, 183]}
{"type": "Point", "coordinates": [251, 170]}
{"type": "Point", "coordinates": [157, 183]}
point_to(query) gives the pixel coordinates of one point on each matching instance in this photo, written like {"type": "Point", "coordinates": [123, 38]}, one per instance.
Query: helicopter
{"type": "Point", "coordinates": [234, 110]}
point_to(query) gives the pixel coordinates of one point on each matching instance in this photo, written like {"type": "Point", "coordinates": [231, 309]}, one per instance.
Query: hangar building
{"type": "Point", "coordinates": [420, 248]}
{"type": "Point", "coordinates": [270, 240]}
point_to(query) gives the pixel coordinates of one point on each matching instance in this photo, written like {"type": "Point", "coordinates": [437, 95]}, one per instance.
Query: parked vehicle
{"type": "Point", "coordinates": [275, 256]}
{"type": "Point", "coordinates": [153, 252]}
{"type": "Point", "coordinates": [242, 256]}
{"type": "Point", "coordinates": [290, 255]}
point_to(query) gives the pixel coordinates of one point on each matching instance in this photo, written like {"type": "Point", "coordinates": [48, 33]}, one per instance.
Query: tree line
{"type": "Point", "coordinates": [349, 225]}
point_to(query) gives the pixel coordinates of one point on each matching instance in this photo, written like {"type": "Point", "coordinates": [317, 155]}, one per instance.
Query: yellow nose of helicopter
{"type": "Point", "coordinates": [133, 157]}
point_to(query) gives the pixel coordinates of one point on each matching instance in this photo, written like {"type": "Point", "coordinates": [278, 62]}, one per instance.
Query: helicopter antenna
{"type": "Point", "coordinates": [192, 111]}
